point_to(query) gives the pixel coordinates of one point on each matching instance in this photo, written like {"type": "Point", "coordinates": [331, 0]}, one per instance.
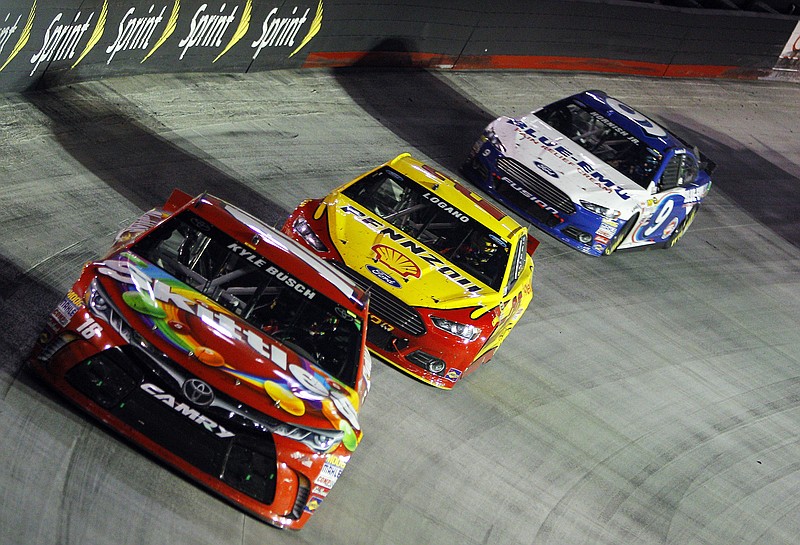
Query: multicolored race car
{"type": "Point", "coordinates": [594, 173]}
{"type": "Point", "coordinates": [224, 348]}
{"type": "Point", "coordinates": [449, 275]}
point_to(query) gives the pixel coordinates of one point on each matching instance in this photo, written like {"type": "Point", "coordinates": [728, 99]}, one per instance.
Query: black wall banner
{"type": "Point", "coordinates": [50, 42]}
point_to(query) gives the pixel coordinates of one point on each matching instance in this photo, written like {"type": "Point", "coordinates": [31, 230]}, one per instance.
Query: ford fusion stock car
{"type": "Point", "coordinates": [222, 347]}
{"type": "Point", "coordinates": [594, 173]}
{"type": "Point", "coordinates": [449, 275]}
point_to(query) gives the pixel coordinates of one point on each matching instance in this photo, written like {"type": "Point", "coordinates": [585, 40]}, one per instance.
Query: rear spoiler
{"type": "Point", "coordinates": [533, 243]}
{"type": "Point", "coordinates": [176, 200]}
{"type": "Point", "coordinates": [706, 164]}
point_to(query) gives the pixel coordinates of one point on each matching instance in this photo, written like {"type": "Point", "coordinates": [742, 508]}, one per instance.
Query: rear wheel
{"type": "Point", "coordinates": [621, 234]}
{"type": "Point", "coordinates": [681, 229]}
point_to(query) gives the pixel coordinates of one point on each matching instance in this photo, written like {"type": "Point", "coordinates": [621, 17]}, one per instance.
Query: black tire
{"type": "Point", "coordinates": [681, 229]}
{"type": "Point", "coordinates": [621, 234]}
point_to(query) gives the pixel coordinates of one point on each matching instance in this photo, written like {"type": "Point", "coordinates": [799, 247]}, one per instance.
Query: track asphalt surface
{"type": "Point", "coordinates": [649, 397]}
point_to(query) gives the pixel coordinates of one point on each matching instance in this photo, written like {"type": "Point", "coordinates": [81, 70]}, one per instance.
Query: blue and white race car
{"type": "Point", "coordinates": [594, 173]}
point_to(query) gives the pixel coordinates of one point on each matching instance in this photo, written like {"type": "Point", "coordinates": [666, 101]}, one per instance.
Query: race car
{"type": "Point", "coordinates": [222, 347]}
{"type": "Point", "coordinates": [594, 173]}
{"type": "Point", "coordinates": [449, 275]}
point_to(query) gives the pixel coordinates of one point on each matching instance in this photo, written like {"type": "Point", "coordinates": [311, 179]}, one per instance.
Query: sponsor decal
{"type": "Point", "coordinates": [197, 392]}
{"type": "Point", "coordinates": [546, 169]}
{"type": "Point", "coordinates": [169, 28]}
{"type": "Point", "coordinates": [429, 257]}
{"type": "Point", "coordinates": [200, 327]}
{"type": "Point", "coordinates": [313, 30]}
{"type": "Point", "coordinates": [789, 59]}
{"type": "Point", "coordinates": [646, 124]}
{"type": "Point", "coordinates": [447, 207]}
{"type": "Point", "coordinates": [7, 31]}
{"type": "Point", "coordinates": [186, 410]}
{"type": "Point", "coordinates": [396, 261]}
{"type": "Point", "coordinates": [279, 275]}
{"type": "Point", "coordinates": [90, 329]}
{"type": "Point", "coordinates": [519, 188]}
{"type": "Point", "coordinates": [241, 29]}
{"type": "Point", "coordinates": [696, 194]}
{"type": "Point", "coordinates": [61, 40]}
{"type": "Point", "coordinates": [144, 223]}
{"type": "Point", "coordinates": [291, 27]}
{"type": "Point", "coordinates": [383, 276]}
{"type": "Point", "coordinates": [668, 230]}
{"type": "Point", "coordinates": [662, 221]}
{"type": "Point", "coordinates": [279, 240]}
{"type": "Point", "coordinates": [584, 168]}
{"type": "Point", "coordinates": [386, 326]}
{"type": "Point", "coordinates": [313, 503]}
{"type": "Point", "coordinates": [277, 31]}
{"type": "Point", "coordinates": [97, 33]}
{"type": "Point", "coordinates": [606, 230]}
{"type": "Point", "coordinates": [207, 29]}
{"type": "Point", "coordinates": [67, 308]}
{"type": "Point", "coordinates": [135, 33]}
{"type": "Point", "coordinates": [331, 471]}
{"type": "Point", "coordinates": [452, 374]}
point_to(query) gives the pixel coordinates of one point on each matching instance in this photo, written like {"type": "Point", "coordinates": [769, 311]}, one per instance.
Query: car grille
{"type": "Point", "coordinates": [246, 459]}
{"type": "Point", "coordinates": [537, 185]}
{"type": "Point", "coordinates": [385, 305]}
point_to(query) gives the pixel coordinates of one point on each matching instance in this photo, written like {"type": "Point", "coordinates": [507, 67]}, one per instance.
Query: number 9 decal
{"type": "Point", "coordinates": [663, 221]}
{"type": "Point", "coordinates": [647, 126]}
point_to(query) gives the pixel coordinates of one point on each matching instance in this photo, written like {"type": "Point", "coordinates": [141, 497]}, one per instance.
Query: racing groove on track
{"type": "Point", "coordinates": [651, 397]}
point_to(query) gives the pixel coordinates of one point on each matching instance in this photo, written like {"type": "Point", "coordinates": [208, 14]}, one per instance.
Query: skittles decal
{"type": "Point", "coordinates": [203, 329]}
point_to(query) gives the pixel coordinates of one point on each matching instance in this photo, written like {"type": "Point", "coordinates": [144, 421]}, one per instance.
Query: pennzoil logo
{"type": "Point", "coordinates": [395, 261]}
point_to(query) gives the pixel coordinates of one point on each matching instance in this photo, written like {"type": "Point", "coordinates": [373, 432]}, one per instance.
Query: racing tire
{"type": "Point", "coordinates": [681, 229]}
{"type": "Point", "coordinates": [621, 234]}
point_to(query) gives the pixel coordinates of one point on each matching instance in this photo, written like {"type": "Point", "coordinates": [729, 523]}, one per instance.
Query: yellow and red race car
{"type": "Point", "coordinates": [449, 275]}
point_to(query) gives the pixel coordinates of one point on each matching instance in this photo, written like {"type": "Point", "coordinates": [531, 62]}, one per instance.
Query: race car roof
{"type": "Point", "coordinates": [468, 201]}
{"type": "Point", "coordinates": [278, 243]}
{"type": "Point", "coordinates": [629, 119]}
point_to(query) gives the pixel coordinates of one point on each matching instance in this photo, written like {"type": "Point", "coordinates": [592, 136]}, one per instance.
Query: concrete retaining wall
{"type": "Point", "coordinates": [49, 42]}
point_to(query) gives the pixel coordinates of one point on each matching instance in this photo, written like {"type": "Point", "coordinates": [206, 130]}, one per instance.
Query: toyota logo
{"type": "Point", "coordinates": [198, 392]}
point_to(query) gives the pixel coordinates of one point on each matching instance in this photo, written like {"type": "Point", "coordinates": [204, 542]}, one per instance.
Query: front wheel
{"type": "Point", "coordinates": [621, 234]}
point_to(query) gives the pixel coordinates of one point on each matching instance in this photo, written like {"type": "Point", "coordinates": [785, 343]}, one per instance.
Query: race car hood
{"type": "Point", "coordinates": [402, 265]}
{"type": "Point", "coordinates": [161, 315]}
{"type": "Point", "coordinates": [565, 164]}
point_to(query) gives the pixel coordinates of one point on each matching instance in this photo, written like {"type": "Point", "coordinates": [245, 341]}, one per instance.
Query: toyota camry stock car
{"type": "Point", "coordinates": [224, 348]}
{"type": "Point", "coordinates": [449, 275]}
{"type": "Point", "coordinates": [594, 173]}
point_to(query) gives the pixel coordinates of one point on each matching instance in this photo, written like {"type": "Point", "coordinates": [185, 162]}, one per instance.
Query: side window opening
{"type": "Point", "coordinates": [681, 170]}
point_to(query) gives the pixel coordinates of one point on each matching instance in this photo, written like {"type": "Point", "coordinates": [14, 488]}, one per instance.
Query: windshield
{"type": "Point", "coordinates": [439, 225]}
{"type": "Point", "coordinates": [258, 291]}
{"type": "Point", "coordinates": [604, 139]}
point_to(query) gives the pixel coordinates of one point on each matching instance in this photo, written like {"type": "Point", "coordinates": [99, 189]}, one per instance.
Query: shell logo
{"type": "Point", "coordinates": [396, 261]}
